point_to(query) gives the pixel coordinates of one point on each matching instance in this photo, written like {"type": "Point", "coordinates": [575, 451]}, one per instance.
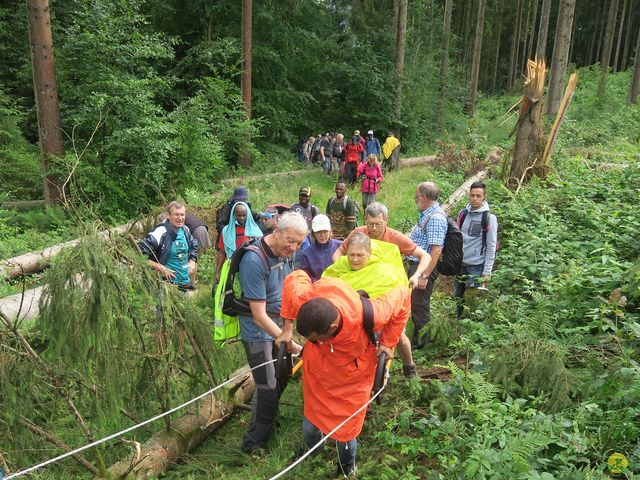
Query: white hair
{"type": "Point", "coordinates": [293, 221]}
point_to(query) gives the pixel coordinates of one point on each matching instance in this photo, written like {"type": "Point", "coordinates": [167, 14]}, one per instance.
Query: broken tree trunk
{"type": "Point", "coordinates": [36, 261]}
{"type": "Point", "coordinates": [164, 449]}
{"type": "Point", "coordinates": [527, 149]}
{"type": "Point", "coordinates": [562, 111]}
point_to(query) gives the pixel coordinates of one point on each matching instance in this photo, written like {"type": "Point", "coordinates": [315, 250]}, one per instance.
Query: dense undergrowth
{"type": "Point", "coordinates": [544, 375]}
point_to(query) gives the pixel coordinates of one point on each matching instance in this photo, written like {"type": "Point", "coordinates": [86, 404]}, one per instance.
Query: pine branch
{"type": "Point", "coordinates": [51, 438]}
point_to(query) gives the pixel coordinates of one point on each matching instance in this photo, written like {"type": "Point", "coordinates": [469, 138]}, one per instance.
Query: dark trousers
{"type": "Point", "coordinates": [351, 171]}
{"type": "Point", "coordinates": [264, 404]}
{"type": "Point", "coordinates": [420, 306]}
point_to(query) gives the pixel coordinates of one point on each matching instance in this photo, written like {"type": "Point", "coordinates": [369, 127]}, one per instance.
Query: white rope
{"type": "Point", "coordinates": [324, 439]}
{"type": "Point", "coordinates": [127, 430]}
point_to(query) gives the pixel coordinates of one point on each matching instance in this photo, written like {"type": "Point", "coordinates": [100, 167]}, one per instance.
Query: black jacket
{"type": "Point", "coordinates": [157, 244]}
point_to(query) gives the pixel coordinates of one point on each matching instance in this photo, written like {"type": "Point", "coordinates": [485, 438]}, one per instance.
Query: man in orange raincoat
{"type": "Point", "coordinates": [339, 359]}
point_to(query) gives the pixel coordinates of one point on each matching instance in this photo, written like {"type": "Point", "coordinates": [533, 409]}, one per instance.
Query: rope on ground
{"type": "Point", "coordinates": [324, 439]}
{"type": "Point", "coordinates": [134, 427]}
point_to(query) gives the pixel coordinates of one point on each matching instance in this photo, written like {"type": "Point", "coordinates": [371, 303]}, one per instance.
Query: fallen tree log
{"type": "Point", "coordinates": [23, 204]}
{"type": "Point", "coordinates": [164, 449]}
{"type": "Point", "coordinates": [36, 261]}
{"type": "Point", "coordinates": [21, 307]}
{"type": "Point", "coordinates": [462, 191]}
{"type": "Point", "coordinates": [416, 161]}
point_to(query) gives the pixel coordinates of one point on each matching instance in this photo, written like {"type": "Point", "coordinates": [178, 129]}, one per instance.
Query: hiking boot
{"type": "Point", "coordinates": [346, 472]}
{"type": "Point", "coordinates": [409, 370]}
{"type": "Point", "coordinates": [255, 450]}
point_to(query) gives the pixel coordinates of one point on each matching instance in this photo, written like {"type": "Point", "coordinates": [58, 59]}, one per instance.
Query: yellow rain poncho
{"type": "Point", "coordinates": [383, 271]}
{"type": "Point", "coordinates": [389, 145]}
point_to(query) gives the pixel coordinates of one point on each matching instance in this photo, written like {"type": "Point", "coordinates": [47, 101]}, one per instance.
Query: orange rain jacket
{"type": "Point", "coordinates": [338, 374]}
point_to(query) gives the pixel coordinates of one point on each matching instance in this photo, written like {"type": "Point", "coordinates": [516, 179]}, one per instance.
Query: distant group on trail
{"type": "Point", "coordinates": [350, 290]}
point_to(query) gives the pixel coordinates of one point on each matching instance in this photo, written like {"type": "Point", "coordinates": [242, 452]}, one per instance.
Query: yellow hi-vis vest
{"type": "Point", "coordinates": [225, 327]}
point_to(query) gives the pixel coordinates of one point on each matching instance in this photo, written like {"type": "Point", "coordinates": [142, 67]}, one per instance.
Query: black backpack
{"type": "Point", "coordinates": [233, 302]}
{"type": "Point", "coordinates": [450, 261]}
{"type": "Point", "coordinates": [485, 227]}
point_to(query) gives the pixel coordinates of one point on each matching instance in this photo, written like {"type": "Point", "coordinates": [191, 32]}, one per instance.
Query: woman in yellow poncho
{"type": "Point", "coordinates": [370, 265]}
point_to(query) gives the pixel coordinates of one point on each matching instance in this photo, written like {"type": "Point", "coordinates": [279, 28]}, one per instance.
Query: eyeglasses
{"type": "Point", "coordinates": [417, 196]}
{"type": "Point", "coordinates": [375, 225]}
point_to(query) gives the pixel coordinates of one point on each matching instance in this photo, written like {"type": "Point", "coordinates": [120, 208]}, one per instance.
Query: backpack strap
{"type": "Point", "coordinates": [485, 230]}
{"type": "Point", "coordinates": [367, 316]}
{"type": "Point", "coordinates": [462, 216]}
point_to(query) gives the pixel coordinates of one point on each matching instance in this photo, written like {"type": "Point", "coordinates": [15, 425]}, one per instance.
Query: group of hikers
{"type": "Point", "coordinates": [340, 158]}
{"type": "Point", "coordinates": [345, 289]}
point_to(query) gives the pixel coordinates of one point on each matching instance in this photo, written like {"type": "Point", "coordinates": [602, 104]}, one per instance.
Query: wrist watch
{"type": "Point", "coordinates": [423, 276]}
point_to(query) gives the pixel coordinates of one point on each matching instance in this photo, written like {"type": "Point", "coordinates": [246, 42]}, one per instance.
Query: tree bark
{"type": "Point", "coordinates": [532, 31]}
{"type": "Point", "coordinates": [633, 91]}
{"type": "Point", "coordinates": [560, 55]}
{"type": "Point", "coordinates": [606, 50]}
{"type": "Point", "coordinates": [401, 37]}
{"type": "Point", "coordinates": [616, 59]}
{"type": "Point", "coordinates": [592, 48]}
{"type": "Point", "coordinates": [444, 63]}
{"type": "Point", "coordinates": [496, 59]}
{"type": "Point", "coordinates": [527, 150]}
{"type": "Point", "coordinates": [247, 47]}
{"type": "Point", "coordinates": [627, 39]}
{"type": "Point", "coordinates": [46, 93]}
{"type": "Point", "coordinates": [543, 30]}
{"type": "Point", "coordinates": [513, 58]}
{"type": "Point", "coordinates": [163, 450]}
{"type": "Point", "coordinates": [477, 53]}
{"type": "Point", "coordinates": [603, 19]}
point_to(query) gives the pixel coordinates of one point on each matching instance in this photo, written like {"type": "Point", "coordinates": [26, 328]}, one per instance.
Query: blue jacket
{"type": "Point", "coordinates": [157, 244]}
{"type": "Point", "coordinates": [315, 259]}
{"type": "Point", "coordinates": [372, 146]}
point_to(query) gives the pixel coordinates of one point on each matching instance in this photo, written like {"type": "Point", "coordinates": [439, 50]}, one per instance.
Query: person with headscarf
{"type": "Point", "coordinates": [241, 227]}
{"type": "Point", "coordinates": [240, 194]}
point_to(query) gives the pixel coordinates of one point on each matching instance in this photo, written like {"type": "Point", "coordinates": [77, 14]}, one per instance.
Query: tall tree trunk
{"type": "Point", "coordinates": [532, 31]}
{"type": "Point", "coordinates": [616, 58]}
{"type": "Point", "coordinates": [513, 58]}
{"type": "Point", "coordinates": [46, 93]}
{"type": "Point", "coordinates": [523, 49]}
{"type": "Point", "coordinates": [635, 79]}
{"type": "Point", "coordinates": [627, 39]}
{"type": "Point", "coordinates": [573, 38]}
{"type": "Point", "coordinates": [247, 47]}
{"type": "Point", "coordinates": [603, 20]}
{"type": "Point", "coordinates": [444, 62]}
{"type": "Point", "coordinates": [592, 49]}
{"type": "Point", "coordinates": [497, 55]}
{"type": "Point", "coordinates": [606, 50]}
{"type": "Point", "coordinates": [543, 30]}
{"type": "Point", "coordinates": [468, 32]}
{"type": "Point", "coordinates": [560, 55]}
{"type": "Point", "coordinates": [401, 37]}
{"type": "Point", "coordinates": [477, 51]}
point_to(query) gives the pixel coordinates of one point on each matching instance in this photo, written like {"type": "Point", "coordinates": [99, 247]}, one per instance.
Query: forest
{"type": "Point", "coordinates": [111, 109]}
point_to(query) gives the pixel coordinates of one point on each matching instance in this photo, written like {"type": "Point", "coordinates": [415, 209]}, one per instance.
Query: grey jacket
{"type": "Point", "coordinates": [472, 238]}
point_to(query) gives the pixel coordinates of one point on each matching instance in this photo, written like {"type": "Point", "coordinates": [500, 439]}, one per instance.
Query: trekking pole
{"type": "Point", "coordinates": [382, 374]}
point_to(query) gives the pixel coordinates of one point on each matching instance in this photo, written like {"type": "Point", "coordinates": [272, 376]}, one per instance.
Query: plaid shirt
{"type": "Point", "coordinates": [433, 234]}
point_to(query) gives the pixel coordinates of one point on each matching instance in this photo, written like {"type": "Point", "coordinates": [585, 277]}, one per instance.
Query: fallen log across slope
{"type": "Point", "coordinates": [164, 449]}
{"type": "Point", "coordinates": [36, 261]}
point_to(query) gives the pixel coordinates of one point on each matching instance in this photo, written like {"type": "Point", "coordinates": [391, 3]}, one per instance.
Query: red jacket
{"type": "Point", "coordinates": [372, 177]}
{"type": "Point", "coordinates": [353, 152]}
{"type": "Point", "coordinates": [338, 373]}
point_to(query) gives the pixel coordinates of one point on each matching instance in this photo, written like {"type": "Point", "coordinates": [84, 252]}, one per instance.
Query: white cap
{"type": "Point", "coordinates": [320, 223]}
{"type": "Point", "coordinates": [370, 132]}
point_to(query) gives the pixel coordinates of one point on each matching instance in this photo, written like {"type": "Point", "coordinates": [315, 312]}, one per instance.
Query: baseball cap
{"type": "Point", "coordinates": [320, 223]}
{"type": "Point", "coordinates": [370, 132]}
{"type": "Point", "coordinates": [357, 132]}
{"type": "Point", "coordinates": [305, 191]}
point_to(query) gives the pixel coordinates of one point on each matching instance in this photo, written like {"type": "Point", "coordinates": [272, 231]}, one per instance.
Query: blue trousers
{"type": "Point", "coordinates": [346, 450]}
